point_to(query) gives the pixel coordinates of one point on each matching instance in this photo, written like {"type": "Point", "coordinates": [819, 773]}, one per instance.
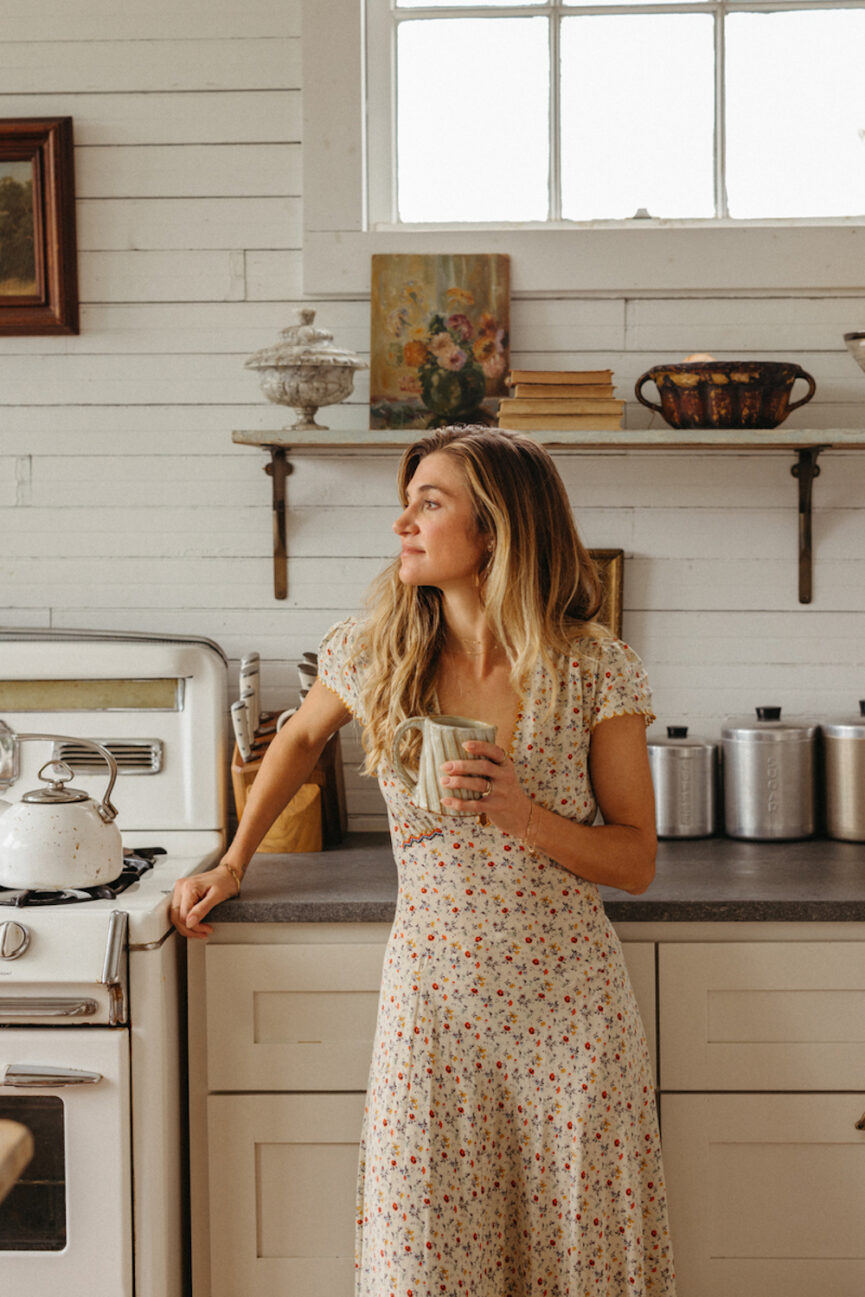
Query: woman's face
{"type": "Point", "coordinates": [441, 543]}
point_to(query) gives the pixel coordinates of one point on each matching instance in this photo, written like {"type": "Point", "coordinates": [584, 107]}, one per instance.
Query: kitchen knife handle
{"type": "Point", "coordinates": [250, 676]}
{"type": "Point", "coordinates": [240, 724]}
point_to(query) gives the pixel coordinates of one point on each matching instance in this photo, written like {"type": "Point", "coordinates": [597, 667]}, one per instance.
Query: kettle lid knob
{"type": "Point", "coordinates": [56, 793]}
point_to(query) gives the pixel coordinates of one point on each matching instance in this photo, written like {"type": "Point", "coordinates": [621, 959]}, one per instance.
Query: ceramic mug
{"type": "Point", "coordinates": [443, 739]}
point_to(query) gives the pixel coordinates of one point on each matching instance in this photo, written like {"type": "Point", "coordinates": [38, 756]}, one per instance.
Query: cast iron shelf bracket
{"type": "Point", "coordinates": [278, 469]}
{"type": "Point", "coordinates": [806, 469]}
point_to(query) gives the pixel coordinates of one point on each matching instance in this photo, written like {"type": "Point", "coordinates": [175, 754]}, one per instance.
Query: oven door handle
{"type": "Point", "coordinates": [45, 1007]}
{"type": "Point", "coordinates": [32, 1074]}
{"type": "Point", "coordinates": [112, 975]}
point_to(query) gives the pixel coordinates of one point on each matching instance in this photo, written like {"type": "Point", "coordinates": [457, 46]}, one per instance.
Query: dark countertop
{"type": "Point", "coordinates": [714, 880]}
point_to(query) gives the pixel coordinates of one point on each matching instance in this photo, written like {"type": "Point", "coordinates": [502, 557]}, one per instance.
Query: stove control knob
{"type": "Point", "coordinates": [14, 940]}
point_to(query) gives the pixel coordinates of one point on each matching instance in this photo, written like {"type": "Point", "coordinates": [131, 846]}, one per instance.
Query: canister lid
{"type": "Point", "coordinates": [854, 728]}
{"type": "Point", "coordinates": [677, 740]}
{"type": "Point", "coordinates": [767, 727]}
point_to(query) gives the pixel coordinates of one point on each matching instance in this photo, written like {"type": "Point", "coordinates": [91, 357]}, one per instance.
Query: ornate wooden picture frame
{"type": "Point", "coordinates": [611, 567]}
{"type": "Point", "coordinates": [38, 250]}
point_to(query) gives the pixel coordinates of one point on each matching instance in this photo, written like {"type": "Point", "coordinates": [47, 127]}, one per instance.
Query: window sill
{"type": "Point", "coordinates": [664, 260]}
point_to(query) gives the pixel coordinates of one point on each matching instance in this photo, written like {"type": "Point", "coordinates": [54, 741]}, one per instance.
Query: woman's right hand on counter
{"type": "Point", "coordinates": [195, 896]}
{"type": "Point", "coordinates": [286, 765]}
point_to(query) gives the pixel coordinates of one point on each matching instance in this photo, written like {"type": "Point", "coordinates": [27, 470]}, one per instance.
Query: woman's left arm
{"type": "Point", "coordinates": [618, 853]}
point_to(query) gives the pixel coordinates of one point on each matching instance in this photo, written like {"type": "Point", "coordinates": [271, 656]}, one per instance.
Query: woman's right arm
{"type": "Point", "coordinates": [288, 762]}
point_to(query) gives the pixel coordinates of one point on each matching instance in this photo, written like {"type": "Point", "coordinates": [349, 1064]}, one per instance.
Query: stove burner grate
{"type": "Point", "coordinates": [135, 865]}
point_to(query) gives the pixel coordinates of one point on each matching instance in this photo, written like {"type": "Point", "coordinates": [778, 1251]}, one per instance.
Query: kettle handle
{"type": "Point", "coordinates": [106, 809]}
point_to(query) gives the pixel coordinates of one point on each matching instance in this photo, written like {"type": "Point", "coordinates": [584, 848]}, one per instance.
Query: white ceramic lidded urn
{"type": "Point", "coordinates": [306, 371]}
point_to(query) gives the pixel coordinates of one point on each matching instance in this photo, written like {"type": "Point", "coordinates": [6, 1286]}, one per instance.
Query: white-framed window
{"type": "Point", "coordinates": [587, 110]}
{"type": "Point", "coordinates": [377, 178]}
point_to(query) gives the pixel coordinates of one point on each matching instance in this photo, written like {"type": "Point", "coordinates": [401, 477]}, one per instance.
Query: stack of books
{"type": "Point", "coordinates": [558, 400]}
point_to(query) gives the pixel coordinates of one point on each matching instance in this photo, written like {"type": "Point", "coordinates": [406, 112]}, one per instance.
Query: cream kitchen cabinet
{"type": "Point", "coordinates": [762, 1049]}
{"type": "Point", "coordinates": [281, 1029]}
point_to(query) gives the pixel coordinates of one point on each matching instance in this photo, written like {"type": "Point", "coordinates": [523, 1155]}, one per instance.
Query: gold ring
{"type": "Point", "coordinates": [489, 788]}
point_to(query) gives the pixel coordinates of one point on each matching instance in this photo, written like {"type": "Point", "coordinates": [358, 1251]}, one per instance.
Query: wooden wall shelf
{"type": "Point", "coordinates": [804, 444]}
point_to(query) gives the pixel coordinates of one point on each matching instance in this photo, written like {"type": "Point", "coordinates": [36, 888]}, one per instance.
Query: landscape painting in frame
{"type": "Point", "coordinates": [38, 257]}
{"type": "Point", "coordinates": [17, 231]}
{"type": "Point", "coordinates": [439, 339]}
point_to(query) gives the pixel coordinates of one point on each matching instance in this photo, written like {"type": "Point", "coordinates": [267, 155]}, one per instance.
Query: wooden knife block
{"type": "Point", "coordinates": [316, 815]}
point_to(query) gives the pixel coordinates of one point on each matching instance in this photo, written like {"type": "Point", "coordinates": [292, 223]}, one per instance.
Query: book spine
{"type": "Point", "coordinates": [559, 376]}
{"type": "Point", "coordinates": [568, 405]}
{"type": "Point", "coordinates": [560, 422]}
{"type": "Point", "coordinates": [540, 391]}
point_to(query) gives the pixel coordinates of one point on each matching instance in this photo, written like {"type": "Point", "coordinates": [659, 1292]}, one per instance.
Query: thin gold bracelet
{"type": "Point", "coordinates": [234, 874]}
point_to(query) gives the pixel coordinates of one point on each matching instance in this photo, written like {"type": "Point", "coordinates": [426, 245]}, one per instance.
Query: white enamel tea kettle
{"type": "Point", "coordinates": [58, 837]}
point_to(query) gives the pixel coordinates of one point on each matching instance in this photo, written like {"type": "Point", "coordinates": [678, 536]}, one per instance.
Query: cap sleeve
{"type": "Point", "coordinates": [622, 687]}
{"type": "Point", "coordinates": [341, 663]}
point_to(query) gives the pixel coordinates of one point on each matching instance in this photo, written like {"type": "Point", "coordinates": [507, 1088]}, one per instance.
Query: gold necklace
{"type": "Point", "coordinates": [476, 652]}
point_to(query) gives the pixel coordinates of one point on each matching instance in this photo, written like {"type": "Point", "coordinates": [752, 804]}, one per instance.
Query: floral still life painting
{"type": "Point", "coordinates": [439, 339]}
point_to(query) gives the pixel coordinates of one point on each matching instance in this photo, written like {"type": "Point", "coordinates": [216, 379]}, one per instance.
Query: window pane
{"type": "Point", "coordinates": [472, 120]}
{"type": "Point", "coordinates": [796, 113]}
{"type": "Point", "coordinates": [637, 116]}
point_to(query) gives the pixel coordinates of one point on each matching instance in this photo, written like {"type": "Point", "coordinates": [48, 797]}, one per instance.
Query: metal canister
{"type": "Point", "coordinates": [843, 745]}
{"type": "Point", "coordinates": [769, 777]}
{"type": "Point", "coordinates": [685, 774]}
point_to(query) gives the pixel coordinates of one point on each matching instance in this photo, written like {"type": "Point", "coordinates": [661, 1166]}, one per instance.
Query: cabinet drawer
{"type": "Point", "coordinates": [765, 1193]}
{"type": "Point", "coordinates": [762, 1016]}
{"type": "Point", "coordinates": [283, 1177]}
{"type": "Point", "coordinates": [303, 1017]}
{"type": "Point", "coordinates": [291, 1017]}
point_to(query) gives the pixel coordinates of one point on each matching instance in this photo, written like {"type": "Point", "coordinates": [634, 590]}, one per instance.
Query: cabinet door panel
{"type": "Point", "coordinates": [762, 1015]}
{"type": "Point", "coordinates": [283, 1174]}
{"type": "Point", "coordinates": [291, 1017]}
{"type": "Point", "coordinates": [766, 1193]}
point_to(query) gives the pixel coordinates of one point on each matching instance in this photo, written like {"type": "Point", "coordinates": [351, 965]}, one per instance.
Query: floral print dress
{"type": "Point", "coordinates": [510, 1144]}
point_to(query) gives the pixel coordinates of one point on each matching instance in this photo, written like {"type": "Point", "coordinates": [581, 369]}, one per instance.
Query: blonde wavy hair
{"type": "Point", "coordinates": [539, 585]}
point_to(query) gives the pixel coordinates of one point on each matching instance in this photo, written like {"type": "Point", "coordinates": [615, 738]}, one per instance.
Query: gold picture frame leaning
{"type": "Point", "coordinates": [611, 569]}
{"type": "Point", "coordinates": [38, 250]}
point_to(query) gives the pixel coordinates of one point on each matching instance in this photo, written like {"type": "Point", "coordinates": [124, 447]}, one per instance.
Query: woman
{"type": "Point", "coordinates": [510, 1141]}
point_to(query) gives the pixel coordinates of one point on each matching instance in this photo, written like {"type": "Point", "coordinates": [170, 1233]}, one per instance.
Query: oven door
{"type": "Point", "coordinates": [66, 1227]}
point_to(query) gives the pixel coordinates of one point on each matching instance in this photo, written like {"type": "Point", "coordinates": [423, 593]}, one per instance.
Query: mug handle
{"type": "Point", "coordinates": [413, 722]}
{"type": "Point", "coordinates": [812, 388]}
{"type": "Point", "coordinates": [639, 395]}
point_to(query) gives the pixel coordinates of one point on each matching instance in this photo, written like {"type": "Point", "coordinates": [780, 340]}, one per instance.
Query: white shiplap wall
{"type": "Point", "coordinates": [124, 504]}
